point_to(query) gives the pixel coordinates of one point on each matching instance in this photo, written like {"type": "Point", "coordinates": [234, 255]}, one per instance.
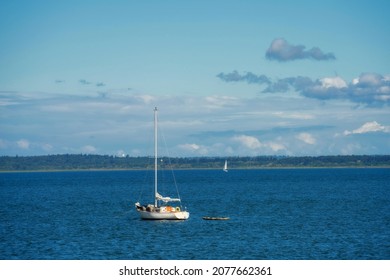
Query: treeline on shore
{"type": "Point", "coordinates": [86, 162]}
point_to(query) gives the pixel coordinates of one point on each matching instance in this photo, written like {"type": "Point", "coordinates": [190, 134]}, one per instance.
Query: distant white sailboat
{"type": "Point", "coordinates": [160, 210]}
{"type": "Point", "coordinates": [225, 168]}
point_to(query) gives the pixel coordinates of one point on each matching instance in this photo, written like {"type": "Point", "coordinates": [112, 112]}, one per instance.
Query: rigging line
{"type": "Point", "coordinates": [170, 163]}
{"type": "Point", "coordinates": [148, 167]}
{"type": "Point", "coordinates": [146, 181]}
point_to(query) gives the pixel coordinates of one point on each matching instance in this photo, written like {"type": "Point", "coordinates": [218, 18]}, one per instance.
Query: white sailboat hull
{"type": "Point", "coordinates": [180, 215]}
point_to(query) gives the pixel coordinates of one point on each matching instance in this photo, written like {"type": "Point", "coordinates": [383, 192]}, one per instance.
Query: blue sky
{"type": "Point", "coordinates": [230, 78]}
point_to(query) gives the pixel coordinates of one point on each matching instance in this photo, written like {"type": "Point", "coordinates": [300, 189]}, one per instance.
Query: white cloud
{"type": "Point", "coordinates": [294, 115]}
{"type": "Point", "coordinates": [369, 79]}
{"type": "Point", "coordinates": [307, 138]}
{"type": "Point", "coordinates": [276, 147]}
{"type": "Point", "coordinates": [248, 141]}
{"type": "Point", "coordinates": [89, 149]}
{"type": "Point", "coordinates": [47, 147]}
{"type": "Point", "coordinates": [254, 144]}
{"type": "Point", "coordinates": [194, 148]}
{"type": "Point", "coordinates": [335, 82]}
{"type": "Point", "coordinates": [368, 127]}
{"type": "Point", "coordinates": [147, 99]}
{"type": "Point", "coordinates": [23, 144]}
{"type": "Point", "coordinates": [220, 101]}
{"type": "Point", "coordinates": [384, 90]}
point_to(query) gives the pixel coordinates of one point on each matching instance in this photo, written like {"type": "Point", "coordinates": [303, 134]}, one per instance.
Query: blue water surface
{"type": "Point", "coordinates": [287, 214]}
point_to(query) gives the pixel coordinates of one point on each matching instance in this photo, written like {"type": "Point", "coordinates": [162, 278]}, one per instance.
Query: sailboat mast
{"type": "Point", "coordinates": [155, 157]}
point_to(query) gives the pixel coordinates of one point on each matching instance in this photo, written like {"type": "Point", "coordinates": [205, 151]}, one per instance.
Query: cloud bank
{"type": "Point", "coordinates": [249, 77]}
{"type": "Point", "coordinates": [194, 125]}
{"type": "Point", "coordinates": [23, 144]}
{"type": "Point", "coordinates": [253, 144]}
{"type": "Point", "coordinates": [282, 51]}
{"type": "Point", "coordinates": [369, 127]}
{"type": "Point", "coordinates": [368, 88]}
{"type": "Point", "coordinates": [307, 138]}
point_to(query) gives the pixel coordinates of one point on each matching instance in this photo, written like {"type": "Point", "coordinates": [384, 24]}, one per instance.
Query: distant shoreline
{"type": "Point", "coordinates": [80, 162]}
{"type": "Point", "coordinates": [178, 169]}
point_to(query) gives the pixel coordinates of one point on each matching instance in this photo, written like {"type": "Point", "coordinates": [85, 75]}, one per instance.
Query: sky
{"type": "Point", "coordinates": [229, 78]}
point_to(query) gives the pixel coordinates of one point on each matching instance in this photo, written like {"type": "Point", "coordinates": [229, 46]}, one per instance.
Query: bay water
{"type": "Point", "coordinates": [286, 214]}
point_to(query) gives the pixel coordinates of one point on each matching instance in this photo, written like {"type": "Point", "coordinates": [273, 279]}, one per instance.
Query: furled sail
{"type": "Point", "coordinates": [166, 198]}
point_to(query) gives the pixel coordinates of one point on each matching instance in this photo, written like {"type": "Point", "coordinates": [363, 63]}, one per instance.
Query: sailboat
{"type": "Point", "coordinates": [161, 209]}
{"type": "Point", "coordinates": [225, 168]}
